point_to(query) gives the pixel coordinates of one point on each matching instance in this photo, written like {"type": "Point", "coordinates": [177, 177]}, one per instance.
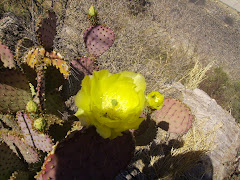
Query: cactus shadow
{"type": "Point", "coordinates": [146, 132]}
{"type": "Point", "coordinates": [157, 162]}
{"type": "Point", "coordinates": [73, 84]}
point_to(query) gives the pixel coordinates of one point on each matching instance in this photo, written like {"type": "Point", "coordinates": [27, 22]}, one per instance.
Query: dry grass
{"type": "Point", "coordinates": [196, 75]}
{"type": "Point", "coordinates": [142, 44]}
{"type": "Point", "coordinates": [147, 38]}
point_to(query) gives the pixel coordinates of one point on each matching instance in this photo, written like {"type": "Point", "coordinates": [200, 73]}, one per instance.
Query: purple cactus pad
{"type": "Point", "coordinates": [33, 137]}
{"type": "Point", "coordinates": [98, 39]}
{"type": "Point", "coordinates": [85, 65]}
{"type": "Point", "coordinates": [174, 116]}
{"type": "Point", "coordinates": [6, 57]}
{"type": "Point", "coordinates": [86, 155]}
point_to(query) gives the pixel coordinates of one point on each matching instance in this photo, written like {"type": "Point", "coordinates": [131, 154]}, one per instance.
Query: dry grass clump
{"type": "Point", "coordinates": [196, 75]}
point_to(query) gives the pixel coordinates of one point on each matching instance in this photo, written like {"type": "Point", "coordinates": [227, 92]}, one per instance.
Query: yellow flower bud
{"type": "Point", "coordinates": [111, 102]}
{"type": "Point", "coordinates": [31, 106]}
{"type": "Point", "coordinates": [155, 100]}
{"type": "Point", "coordinates": [92, 11]}
{"type": "Point", "coordinates": [39, 124]}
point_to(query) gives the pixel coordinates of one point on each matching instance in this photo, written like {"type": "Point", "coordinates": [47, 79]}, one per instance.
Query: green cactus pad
{"type": "Point", "coordinates": [19, 175]}
{"type": "Point", "coordinates": [86, 155]}
{"type": "Point", "coordinates": [30, 74]}
{"type": "Point", "coordinates": [14, 78]}
{"type": "Point", "coordinates": [19, 147]}
{"type": "Point", "coordinates": [54, 103]}
{"type": "Point", "coordinates": [54, 79]}
{"type": "Point", "coordinates": [47, 30]}
{"type": "Point", "coordinates": [98, 39]}
{"type": "Point", "coordinates": [6, 57]}
{"type": "Point", "coordinates": [14, 91]}
{"type": "Point", "coordinates": [174, 116]}
{"type": "Point", "coordinates": [9, 162]}
{"type": "Point", "coordinates": [33, 137]}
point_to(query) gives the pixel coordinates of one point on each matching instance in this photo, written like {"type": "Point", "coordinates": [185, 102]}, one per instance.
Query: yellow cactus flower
{"type": "Point", "coordinates": [92, 11]}
{"type": "Point", "coordinates": [155, 100]}
{"type": "Point", "coordinates": [111, 102]}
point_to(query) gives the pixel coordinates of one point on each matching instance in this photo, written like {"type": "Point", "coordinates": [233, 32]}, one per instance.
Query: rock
{"type": "Point", "coordinates": [210, 117]}
{"type": "Point", "coordinates": [11, 30]}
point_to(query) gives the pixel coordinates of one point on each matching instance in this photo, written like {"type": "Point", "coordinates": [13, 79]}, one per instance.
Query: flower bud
{"type": "Point", "coordinates": [31, 106]}
{"type": "Point", "coordinates": [39, 124]}
{"type": "Point", "coordinates": [92, 11]}
{"type": "Point", "coordinates": [155, 100]}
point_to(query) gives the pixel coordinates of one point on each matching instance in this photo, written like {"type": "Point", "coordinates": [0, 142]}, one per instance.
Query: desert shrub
{"type": "Point", "coordinates": [225, 91]}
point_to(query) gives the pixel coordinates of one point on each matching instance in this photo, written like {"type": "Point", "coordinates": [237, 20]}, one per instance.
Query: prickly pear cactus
{"type": "Point", "coordinates": [22, 47]}
{"type": "Point", "coordinates": [47, 30]}
{"type": "Point", "coordinates": [9, 162]}
{"type": "Point", "coordinates": [37, 57]}
{"type": "Point", "coordinates": [58, 61]}
{"type": "Point", "coordinates": [84, 155]}
{"type": "Point", "coordinates": [14, 91]}
{"type": "Point", "coordinates": [6, 57]}
{"type": "Point", "coordinates": [174, 116]}
{"type": "Point", "coordinates": [20, 148]}
{"type": "Point", "coordinates": [19, 175]}
{"type": "Point", "coordinates": [33, 137]}
{"type": "Point", "coordinates": [10, 121]}
{"type": "Point", "coordinates": [93, 16]}
{"type": "Point", "coordinates": [98, 39]}
{"type": "Point", "coordinates": [85, 65]}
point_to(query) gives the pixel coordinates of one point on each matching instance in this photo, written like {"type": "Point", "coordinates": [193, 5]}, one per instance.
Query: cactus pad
{"type": "Point", "coordinates": [20, 148]}
{"type": "Point", "coordinates": [58, 61]}
{"type": "Point", "coordinates": [86, 155]}
{"type": "Point", "coordinates": [173, 117]}
{"type": "Point", "coordinates": [6, 57]}
{"type": "Point", "coordinates": [9, 162]}
{"type": "Point", "coordinates": [36, 57]}
{"type": "Point", "coordinates": [33, 137]}
{"type": "Point", "coordinates": [14, 78]}
{"type": "Point", "coordinates": [14, 91]}
{"type": "Point", "coordinates": [47, 30]}
{"type": "Point", "coordinates": [39, 57]}
{"type": "Point", "coordinates": [98, 39]}
{"type": "Point", "coordinates": [19, 175]}
{"type": "Point", "coordinates": [85, 65]}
